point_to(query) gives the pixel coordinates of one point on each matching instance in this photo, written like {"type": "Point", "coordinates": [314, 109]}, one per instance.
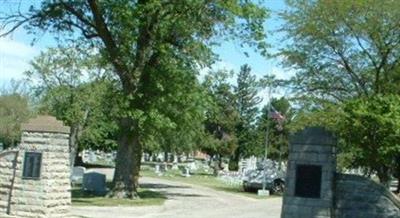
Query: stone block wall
{"type": "Point", "coordinates": [359, 197]}
{"type": "Point", "coordinates": [46, 196]}
{"type": "Point", "coordinates": [311, 147]}
{"type": "Point", "coordinates": [8, 163]}
{"type": "Point", "coordinates": [341, 195]}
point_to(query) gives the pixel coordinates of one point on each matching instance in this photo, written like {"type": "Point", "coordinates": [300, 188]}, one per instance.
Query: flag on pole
{"type": "Point", "coordinates": [277, 116]}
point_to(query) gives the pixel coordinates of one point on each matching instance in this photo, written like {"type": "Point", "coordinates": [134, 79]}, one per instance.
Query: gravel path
{"type": "Point", "coordinates": [189, 201]}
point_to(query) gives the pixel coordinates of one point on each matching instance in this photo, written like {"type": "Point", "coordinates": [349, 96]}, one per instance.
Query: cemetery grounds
{"type": "Point", "coordinates": [170, 194]}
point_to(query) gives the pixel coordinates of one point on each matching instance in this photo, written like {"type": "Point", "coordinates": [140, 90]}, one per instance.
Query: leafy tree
{"type": "Point", "coordinates": [345, 54]}
{"type": "Point", "coordinates": [174, 104]}
{"type": "Point", "coordinates": [14, 110]}
{"type": "Point", "coordinates": [370, 127]}
{"type": "Point", "coordinates": [134, 36]}
{"type": "Point", "coordinates": [342, 49]}
{"type": "Point", "coordinates": [247, 100]}
{"type": "Point", "coordinates": [72, 86]}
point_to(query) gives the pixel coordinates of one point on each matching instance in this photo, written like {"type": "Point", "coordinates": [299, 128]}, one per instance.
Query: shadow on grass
{"type": "Point", "coordinates": [146, 198]}
{"type": "Point", "coordinates": [172, 195]}
{"type": "Point", "coordinates": [158, 185]}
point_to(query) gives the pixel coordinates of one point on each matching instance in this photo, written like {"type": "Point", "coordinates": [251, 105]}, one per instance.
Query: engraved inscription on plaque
{"type": "Point", "coordinates": [32, 165]}
{"type": "Point", "coordinates": [308, 181]}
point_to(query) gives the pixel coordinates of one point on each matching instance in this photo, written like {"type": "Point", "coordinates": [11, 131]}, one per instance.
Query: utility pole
{"type": "Point", "coordinates": [280, 151]}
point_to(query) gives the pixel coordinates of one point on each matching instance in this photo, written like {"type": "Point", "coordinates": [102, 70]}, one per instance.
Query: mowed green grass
{"type": "Point", "coordinates": [147, 198]}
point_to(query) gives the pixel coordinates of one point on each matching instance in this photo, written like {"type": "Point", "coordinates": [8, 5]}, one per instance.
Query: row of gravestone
{"type": "Point", "coordinates": [92, 157]}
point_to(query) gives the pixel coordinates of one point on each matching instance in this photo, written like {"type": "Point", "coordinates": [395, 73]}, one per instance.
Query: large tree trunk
{"type": "Point", "coordinates": [217, 165]}
{"type": "Point", "coordinates": [234, 161]}
{"type": "Point", "coordinates": [75, 134]}
{"type": "Point", "coordinates": [127, 167]}
{"type": "Point", "coordinates": [73, 144]}
{"type": "Point", "coordinates": [397, 173]}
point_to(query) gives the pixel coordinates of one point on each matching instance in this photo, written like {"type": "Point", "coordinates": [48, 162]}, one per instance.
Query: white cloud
{"type": "Point", "coordinates": [14, 59]}
{"type": "Point", "coordinates": [220, 65]}
{"type": "Point", "coordinates": [282, 73]}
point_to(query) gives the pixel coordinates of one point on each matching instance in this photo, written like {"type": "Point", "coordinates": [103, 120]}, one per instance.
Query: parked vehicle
{"type": "Point", "coordinates": [274, 178]}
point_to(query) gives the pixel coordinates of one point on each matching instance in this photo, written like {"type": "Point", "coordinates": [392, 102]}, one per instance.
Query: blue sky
{"type": "Point", "coordinates": [16, 50]}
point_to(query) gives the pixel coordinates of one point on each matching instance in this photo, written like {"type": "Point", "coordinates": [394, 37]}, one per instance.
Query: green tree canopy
{"type": "Point", "coordinates": [342, 49]}
{"type": "Point", "coordinates": [371, 130]}
{"type": "Point", "coordinates": [14, 110]}
{"type": "Point", "coordinates": [246, 90]}
{"type": "Point", "coordinates": [72, 86]}
{"type": "Point", "coordinates": [346, 56]}
{"type": "Point", "coordinates": [221, 115]}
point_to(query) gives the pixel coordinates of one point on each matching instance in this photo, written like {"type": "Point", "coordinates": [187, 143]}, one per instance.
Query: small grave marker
{"type": "Point", "coordinates": [77, 174]}
{"type": "Point", "coordinates": [94, 182]}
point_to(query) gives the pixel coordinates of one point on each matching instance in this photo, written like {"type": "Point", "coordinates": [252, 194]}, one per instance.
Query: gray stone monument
{"type": "Point", "coordinates": [95, 183]}
{"type": "Point", "coordinates": [310, 175]}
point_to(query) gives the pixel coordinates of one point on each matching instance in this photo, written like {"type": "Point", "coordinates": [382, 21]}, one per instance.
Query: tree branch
{"type": "Point", "coordinates": [111, 47]}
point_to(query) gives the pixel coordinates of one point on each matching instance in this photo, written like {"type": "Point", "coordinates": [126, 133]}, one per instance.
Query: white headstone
{"type": "Point", "coordinates": [77, 174]}
{"type": "Point", "coordinates": [157, 169]}
{"type": "Point", "coordinates": [143, 158]}
{"type": "Point", "coordinates": [92, 157]}
{"type": "Point", "coordinates": [187, 172]}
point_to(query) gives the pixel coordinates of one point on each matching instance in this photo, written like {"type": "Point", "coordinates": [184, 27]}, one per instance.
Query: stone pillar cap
{"type": "Point", "coordinates": [313, 136]}
{"type": "Point", "coordinates": [45, 124]}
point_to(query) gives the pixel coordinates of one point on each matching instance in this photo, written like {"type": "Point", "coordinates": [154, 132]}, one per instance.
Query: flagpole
{"type": "Point", "coordinates": [266, 139]}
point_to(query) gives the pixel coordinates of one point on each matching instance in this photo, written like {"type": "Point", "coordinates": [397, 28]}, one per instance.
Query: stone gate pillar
{"type": "Point", "coordinates": [310, 175]}
{"type": "Point", "coordinates": [42, 183]}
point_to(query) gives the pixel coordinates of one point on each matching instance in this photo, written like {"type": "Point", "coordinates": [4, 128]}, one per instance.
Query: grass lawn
{"type": "Point", "coordinates": [147, 197]}
{"type": "Point", "coordinates": [203, 179]}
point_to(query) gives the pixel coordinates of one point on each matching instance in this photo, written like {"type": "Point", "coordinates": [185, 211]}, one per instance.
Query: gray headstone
{"type": "Point", "coordinates": [186, 172]}
{"type": "Point", "coordinates": [77, 174]}
{"type": "Point", "coordinates": [163, 167]}
{"type": "Point", "coordinates": [94, 182]}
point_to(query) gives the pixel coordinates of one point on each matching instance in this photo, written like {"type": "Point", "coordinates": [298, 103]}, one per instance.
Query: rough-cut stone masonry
{"type": "Point", "coordinates": [7, 175]}
{"type": "Point", "coordinates": [49, 195]}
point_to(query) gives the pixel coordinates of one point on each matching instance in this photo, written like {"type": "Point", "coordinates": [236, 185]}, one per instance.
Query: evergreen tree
{"type": "Point", "coordinates": [246, 104]}
{"type": "Point", "coordinates": [221, 117]}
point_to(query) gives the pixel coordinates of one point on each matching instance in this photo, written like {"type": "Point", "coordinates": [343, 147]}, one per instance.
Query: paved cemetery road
{"type": "Point", "coordinates": [188, 201]}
